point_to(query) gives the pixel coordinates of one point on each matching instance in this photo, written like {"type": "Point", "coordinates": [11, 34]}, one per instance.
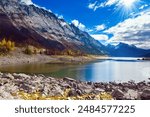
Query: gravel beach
{"type": "Point", "coordinates": [12, 83]}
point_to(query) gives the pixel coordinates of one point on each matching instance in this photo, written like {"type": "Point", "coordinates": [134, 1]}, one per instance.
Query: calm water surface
{"type": "Point", "coordinates": [113, 69]}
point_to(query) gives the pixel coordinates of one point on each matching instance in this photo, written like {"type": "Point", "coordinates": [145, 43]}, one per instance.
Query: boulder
{"type": "Point", "coordinates": [72, 93]}
{"type": "Point", "coordinates": [98, 90]}
{"type": "Point", "coordinates": [118, 94]}
{"type": "Point", "coordinates": [84, 88]}
{"type": "Point", "coordinates": [131, 95]}
{"type": "Point", "coordinates": [145, 94]}
{"type": "Point", "coordinates": [1, 74]}
{"type": "Point", "coordinates": [9, 76]}
{"type": "Point", "coordinates": [21, 75]}
{"type": "Point", "coordinates": [89, 83]}
{"type": "Point", "coordinates": [68, 79]}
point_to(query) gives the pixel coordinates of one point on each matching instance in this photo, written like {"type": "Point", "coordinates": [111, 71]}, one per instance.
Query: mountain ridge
{"type": "Point", "coordinates": [125, 50]}
{"type": "Point", "coordinates": [28, 24]}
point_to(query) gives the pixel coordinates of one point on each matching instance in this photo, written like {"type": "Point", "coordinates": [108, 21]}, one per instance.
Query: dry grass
{"type": "Point", "coordinates": [39, 96]}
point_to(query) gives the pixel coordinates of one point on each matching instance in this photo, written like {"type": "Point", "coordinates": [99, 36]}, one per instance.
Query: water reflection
{"type": "Point", "coordinates": [98, 71]}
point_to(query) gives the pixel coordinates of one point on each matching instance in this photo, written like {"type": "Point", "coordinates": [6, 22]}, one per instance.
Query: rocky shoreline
{"type": "Point", "coordinates": [12, 83]}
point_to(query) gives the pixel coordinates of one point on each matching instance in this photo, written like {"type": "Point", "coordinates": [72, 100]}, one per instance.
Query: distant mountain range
{"type": "Point", "coordinates": [125, 50]}
{"type": "Point", "coordinates": [32, 25]}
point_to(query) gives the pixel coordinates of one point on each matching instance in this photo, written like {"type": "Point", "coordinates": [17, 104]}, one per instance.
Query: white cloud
{"type": "Point", "coordinates": [92, 5]}
{"type": "Point", "coordinates": [79, 25]}
{"type": "Point", "coordinates": [90, 30]}
{"type": "Point", "coordinates": [133, 31]}
{"type": "Point", "coordinates": [75, 22]}
{"type": "Point", "coordinates": [100, 37]}
{"type": "Point", "coordinates": [28, 2]}
{"type": "Point", "coordinates": [63, 23]}
{"type": "Point", "coordinates": [82, 27]}
{"type": "Point", "coordinates": [111, 2]}
{"type": "Point", "coordinates": [143, 6]}
{"type": "Point", "coordinates": [59, 16]}
{"type": "Point", "coordinates": [122, 3]}
{"type": "Point", "coordinates": [100, 27]}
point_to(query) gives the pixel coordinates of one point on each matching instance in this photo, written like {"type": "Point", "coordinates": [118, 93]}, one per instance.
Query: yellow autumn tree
{"type": "Point", "coordinates": [13, 45]}
{"type": "Point", "coordinates": [10, 45]}
{"type": "Point", "coordinates": [6, 46]}
{"type": "Point", "coordinates": [3, 42]}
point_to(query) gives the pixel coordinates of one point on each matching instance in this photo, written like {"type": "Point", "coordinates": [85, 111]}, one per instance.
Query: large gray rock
{"type": "Point", "coordinates": [21, 75]}
{"type": "Point", "coordinates": [131, 95]}
{"type": "Point", "coordinates": [69, 79]}
{"type": "Point", "coordinates": [9, 76]}
{"type": "Point", "coordinates": [118, 94]}
{"type": "Point", "coordinates": [84, 88]}
{"type": "Point", "coordinates": [1, 74]}
{"type": "Point", "coordinates": [145, 94]}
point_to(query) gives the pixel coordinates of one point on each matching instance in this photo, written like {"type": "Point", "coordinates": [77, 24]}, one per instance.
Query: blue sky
{"type": "Point", "coordinates": [110, 21]}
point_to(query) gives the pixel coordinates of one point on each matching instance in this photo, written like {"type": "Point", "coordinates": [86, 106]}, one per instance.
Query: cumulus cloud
{"type": "Point", "coordinates": [111, 2]}
{"type": "Point", "coordinates": [28, 2]}
{"type": "Point", "coordinates": [99, 4]}
{"type": "Point", "coordinates": [94, 6]}
{"type": "Point", "coordinates": [100, 37]}
{"type": "Point", "coordinates": [100, 27]}
{"type": "Point", "coordinates": [133, 31]}
{"type": "Point", "coordinates": [59, 16]}
{"type": "Point", "coordinates": [79, 25]}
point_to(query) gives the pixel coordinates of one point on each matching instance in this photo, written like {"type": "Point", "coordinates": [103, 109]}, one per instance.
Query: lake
{"type": "Point", "coordinates": [113, 69]}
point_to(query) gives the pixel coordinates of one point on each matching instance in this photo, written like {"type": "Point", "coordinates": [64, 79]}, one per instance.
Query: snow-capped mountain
{"type": "Point", "coordinates": [125, 50]}
{"type": "Point", "coordinates": [32, 25]}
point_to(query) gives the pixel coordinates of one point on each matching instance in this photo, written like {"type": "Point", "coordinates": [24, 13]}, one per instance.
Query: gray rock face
{"type": "Point", "coordinates": [29, 24]}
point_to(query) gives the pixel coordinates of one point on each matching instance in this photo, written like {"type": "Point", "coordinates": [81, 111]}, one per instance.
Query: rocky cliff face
{"type": "Point", "coordinates": [28, 24]}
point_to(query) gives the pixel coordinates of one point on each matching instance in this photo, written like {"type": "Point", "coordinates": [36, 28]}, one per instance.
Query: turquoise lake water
{"type": "Point", "coordinates": [113, 69]}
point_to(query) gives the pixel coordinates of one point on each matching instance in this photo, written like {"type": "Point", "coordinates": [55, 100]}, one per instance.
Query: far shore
{"type": "Point", "coordinates": [19, 58]}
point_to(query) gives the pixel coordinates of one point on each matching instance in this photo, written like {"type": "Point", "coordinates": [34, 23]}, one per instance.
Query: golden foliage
{"type": "Point", "coordinates": [29, 50]}
{"type": "Point", "coordinates": [33, 50]}
{"type": "Point", "coordinates": [3, 42]}
{"type": "Point", "coordinates": [6, 46]}
{"type": "Point", "coordinates": [39, 96]}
